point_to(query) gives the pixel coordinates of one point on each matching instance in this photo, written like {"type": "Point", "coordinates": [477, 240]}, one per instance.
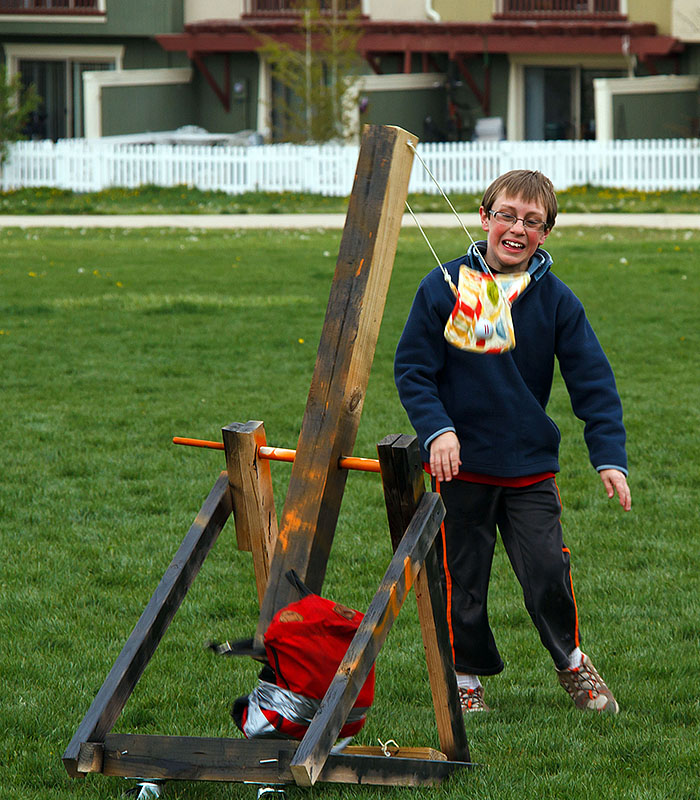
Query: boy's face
{"type": "Point", "coordinates": [511, 246]}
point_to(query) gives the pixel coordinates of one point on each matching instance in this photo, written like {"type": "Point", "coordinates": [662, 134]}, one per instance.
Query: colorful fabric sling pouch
{"type": "Point", "coordinates": [481, 321]}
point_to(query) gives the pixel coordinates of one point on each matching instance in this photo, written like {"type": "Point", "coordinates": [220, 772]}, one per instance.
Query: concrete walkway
{"type": "Point", "coordinates": [326, 221]}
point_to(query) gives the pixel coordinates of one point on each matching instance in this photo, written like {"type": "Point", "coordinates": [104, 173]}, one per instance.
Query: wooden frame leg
{"type": "Point", "coordinates": [314, 748]}
{"type": "Point", "coordinates": [404, 486]}
{"type": "Point", "coordinates": [149, 630]}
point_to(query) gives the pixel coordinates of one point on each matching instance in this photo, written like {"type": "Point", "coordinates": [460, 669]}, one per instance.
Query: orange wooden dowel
{"type": "Point", "coordinates": [198, 443]}
{"type": "Point", "coordinates": [282, 454]}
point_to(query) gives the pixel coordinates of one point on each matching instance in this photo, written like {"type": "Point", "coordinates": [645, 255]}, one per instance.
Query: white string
{"type": "Point", "coordinates": [454, 211]}
{"type": "Point", "coordinates": [427, 241]}
{"type": "Point", "coordinates": [501, 290]}
{"type": "Point", "coordinates": [385, 746]}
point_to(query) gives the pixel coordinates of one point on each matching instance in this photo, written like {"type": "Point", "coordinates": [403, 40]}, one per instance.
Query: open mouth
{"type": "Point", "coordinates": [509, 243]}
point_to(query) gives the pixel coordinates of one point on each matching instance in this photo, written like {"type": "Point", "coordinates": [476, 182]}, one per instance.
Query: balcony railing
{"type": "Point", "coordinates": [290, 8]}
{"type": "Point", "coordinates": [558, 8]}
{"type": "Point", "coordinates": [51, 6]}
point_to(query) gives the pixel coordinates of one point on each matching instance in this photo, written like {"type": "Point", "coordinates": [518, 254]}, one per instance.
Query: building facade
{"type": "Point", "coordinates": [532, 69]}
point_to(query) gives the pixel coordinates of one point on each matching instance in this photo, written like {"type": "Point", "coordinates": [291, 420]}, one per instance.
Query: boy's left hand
{"type": "Point", "coordinates": [615, 481]}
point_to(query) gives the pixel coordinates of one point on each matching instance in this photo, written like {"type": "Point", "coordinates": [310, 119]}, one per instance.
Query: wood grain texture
{"type": "Point", "coordinates": [252, 497]}
{"type": "Point", "coordinates": [343, 362]}
{"type": "Point", "coordinates": [404, 485]}
{"type": "Point", "coordinates": [368, 640]}
{"type": "Point", "coordinates": [191, 758]}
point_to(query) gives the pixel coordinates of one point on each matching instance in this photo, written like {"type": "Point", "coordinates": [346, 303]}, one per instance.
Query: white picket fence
{"type": "Point", "coordinates": [91, 164]}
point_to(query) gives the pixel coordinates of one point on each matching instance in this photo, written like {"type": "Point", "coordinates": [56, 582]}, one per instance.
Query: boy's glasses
{"type": "Point", "coordinates": [510, 219]}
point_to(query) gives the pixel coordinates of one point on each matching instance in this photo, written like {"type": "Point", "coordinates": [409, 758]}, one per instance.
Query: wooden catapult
{"type": "Point", "coordinates": [303, 541]}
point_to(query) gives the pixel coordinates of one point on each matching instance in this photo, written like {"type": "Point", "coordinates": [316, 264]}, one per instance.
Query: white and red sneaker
{"type": "Point", "coordinates": [587, 688]}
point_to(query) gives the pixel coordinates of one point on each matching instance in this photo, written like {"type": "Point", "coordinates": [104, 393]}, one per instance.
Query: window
{"type": "Point", "coordinates": [52, 7]}
{"type": "Point", "coordinates": [57, 73]}
{"type": "Point", "coordinates": [278, 8]}
{"type": "Point", "coordinates": [559, 102]}
{"type": "Point", "coordinates": [550, 96]}
{"type": "Point", "coordinates": [558, 8]}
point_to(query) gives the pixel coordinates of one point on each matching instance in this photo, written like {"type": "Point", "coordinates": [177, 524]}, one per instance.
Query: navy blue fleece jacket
{"type": "Point", "coordinates": [496, 402]}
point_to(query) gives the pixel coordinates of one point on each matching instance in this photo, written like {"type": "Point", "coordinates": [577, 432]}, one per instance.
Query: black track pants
{"type": "Point", "coordinates": [528, 519]}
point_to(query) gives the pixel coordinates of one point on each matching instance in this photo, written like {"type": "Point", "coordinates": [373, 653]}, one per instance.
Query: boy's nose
{"type": "Point", "coordinates": [518, 222]}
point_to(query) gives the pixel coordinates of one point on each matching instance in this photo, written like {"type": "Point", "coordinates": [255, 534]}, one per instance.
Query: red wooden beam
{"type": "Point", "coordinates": [469, 80]}
{"type": "Point", "coordinates": [373, 61]}
{"type": "Point", "coordinates": [517, 36]}
{"type": "Point", "coordinates": [224, 94]}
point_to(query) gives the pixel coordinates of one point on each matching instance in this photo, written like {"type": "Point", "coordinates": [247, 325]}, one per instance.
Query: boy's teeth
{"type": "Point", "coordinates": [510, 243]}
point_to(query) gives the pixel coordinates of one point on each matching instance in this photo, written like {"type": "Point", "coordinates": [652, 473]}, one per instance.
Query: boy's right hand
{"type": "Point", "coordinates": [444, 456]}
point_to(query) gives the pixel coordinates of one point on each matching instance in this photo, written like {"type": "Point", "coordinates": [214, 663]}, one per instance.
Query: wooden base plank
{"type": "Point", "coordinates": [191, 758]}
{"type": "Point", "coordinates": [428, 753]}
{"type": "Point", "coordinates": [149, 630]}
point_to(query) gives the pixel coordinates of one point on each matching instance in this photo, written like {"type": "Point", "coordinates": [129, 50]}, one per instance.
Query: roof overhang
{"type": "Point", "coordinates": [451, 38]}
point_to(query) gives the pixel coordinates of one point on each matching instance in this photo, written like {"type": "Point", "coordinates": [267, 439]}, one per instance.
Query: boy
{"type": "Point", "coordinates": [492, 450]}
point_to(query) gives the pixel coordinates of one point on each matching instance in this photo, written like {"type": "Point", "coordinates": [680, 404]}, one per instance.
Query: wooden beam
{"type": "Point", "coordinates": [394, 752]}
{"type": "Point", "coordinates": [223, 93]}
{"type": "Point", "coordinates": [373, 60]}
{"type": "Point", "coordinates": [154, 621]}
{"type": "Point", "coordinates": [323, 731]}
{"type": "Point", "coordinates": [251, 496]}
{"type": "Point", "coordinates": [403, 481]}
{"type": "Point", "coordinates": [471, 83]}
{"type": "Point", "coordinates": [345, 354]}
{"type": "Point", "coordinates": [404, 486]}
{"type": "Point", "coordinates": [192, 758]}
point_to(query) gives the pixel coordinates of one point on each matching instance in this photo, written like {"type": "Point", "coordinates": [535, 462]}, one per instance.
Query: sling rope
{"type": "Point", "coordinates": [445, 273]}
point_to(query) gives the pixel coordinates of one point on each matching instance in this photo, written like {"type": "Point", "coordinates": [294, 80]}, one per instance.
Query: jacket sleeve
{"type": "Point", "coordinates": [591, 385]}
{"type": "Point", "coordinates": [420, 356]}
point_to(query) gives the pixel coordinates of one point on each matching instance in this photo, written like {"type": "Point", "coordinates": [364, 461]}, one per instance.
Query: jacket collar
{"type": "Point", "coordinates": [540, 263]}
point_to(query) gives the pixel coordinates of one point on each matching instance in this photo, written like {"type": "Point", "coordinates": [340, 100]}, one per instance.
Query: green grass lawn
{"type": "Point", "coordinates": [184, 200]}
{"type": "Point", "coordinates": [112, 342]}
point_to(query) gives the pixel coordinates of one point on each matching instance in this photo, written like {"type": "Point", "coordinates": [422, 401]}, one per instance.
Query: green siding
{"type": "Point", "coordinates": [408, 109]}
{"type": "Point", "coordinates": [148, 54]}
{"type": "Point", "coordinates": [209, 111]}
{"type": "Point", "coordinates": [691, 60]}
{"type": "Point", "coordinates": [667, 115]}
{"type": "Point", "coordinates": [135, 109]}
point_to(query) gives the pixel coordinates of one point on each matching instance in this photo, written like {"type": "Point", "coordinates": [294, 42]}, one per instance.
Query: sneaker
{"type": "Point", "coordinates": [472, 700]}
{"type": "Point", "coordinates": [587, 688]}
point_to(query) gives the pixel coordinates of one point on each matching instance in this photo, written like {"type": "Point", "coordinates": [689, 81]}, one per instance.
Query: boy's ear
{"type": "Point", "coordinates": [484, 216]}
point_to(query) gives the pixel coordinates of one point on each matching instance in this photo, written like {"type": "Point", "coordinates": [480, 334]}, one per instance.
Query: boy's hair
{"type": "Point", "coordinates": [530, 185]}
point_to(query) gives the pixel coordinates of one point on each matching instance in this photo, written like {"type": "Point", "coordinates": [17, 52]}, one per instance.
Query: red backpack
{"type": "Point", "coordinates": [304, 643]}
